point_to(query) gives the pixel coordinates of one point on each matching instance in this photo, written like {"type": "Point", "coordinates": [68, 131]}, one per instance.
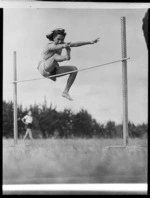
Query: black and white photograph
{"type": "Point", "coordinates": [75, 97]}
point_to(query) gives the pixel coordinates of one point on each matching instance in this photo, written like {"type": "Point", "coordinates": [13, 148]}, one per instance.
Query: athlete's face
{"type": "Point", "coordinates": [59, 39]}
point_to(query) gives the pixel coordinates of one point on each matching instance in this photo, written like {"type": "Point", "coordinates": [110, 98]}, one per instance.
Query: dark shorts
{"type": "Point", "coordinates": [29, 126]}
{"type": "Point", "coordinates": [53, 72]}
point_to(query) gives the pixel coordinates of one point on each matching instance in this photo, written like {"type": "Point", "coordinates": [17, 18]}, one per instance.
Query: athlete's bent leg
{"type": "Point", "coordinates": [72, 76]}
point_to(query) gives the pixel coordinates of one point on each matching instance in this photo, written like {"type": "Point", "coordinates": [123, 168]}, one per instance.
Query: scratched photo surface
{"type": "Point", "coordinates": [78, 141]}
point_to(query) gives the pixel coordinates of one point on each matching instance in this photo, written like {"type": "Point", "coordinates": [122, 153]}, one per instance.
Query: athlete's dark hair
{"type": "Point", "coordinates": [54, 33]}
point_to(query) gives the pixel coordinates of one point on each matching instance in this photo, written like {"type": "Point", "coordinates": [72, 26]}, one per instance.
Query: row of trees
{"type": "Point", "coordinates": [48, 122]}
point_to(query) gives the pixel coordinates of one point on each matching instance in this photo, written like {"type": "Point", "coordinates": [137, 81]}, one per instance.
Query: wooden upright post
{"type": "Point", "coordinates": [124, 81]}
{"type": "Point", "coordinates": [15, 98]}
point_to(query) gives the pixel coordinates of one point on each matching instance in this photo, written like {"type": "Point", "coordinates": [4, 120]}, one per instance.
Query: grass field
{"type": "Point", "coordinates": [49, 161]}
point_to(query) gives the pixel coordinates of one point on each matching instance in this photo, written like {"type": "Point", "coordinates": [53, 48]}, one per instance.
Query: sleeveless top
{"type": "Point", "coordinates": [48, 53]}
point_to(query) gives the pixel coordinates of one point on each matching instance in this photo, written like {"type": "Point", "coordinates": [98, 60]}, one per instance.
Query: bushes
{"type": "Point", "coordinates": [48, 122]}
{"type": "Point", "coordinates": [8, 119]}
{"type": "Point", "coordinates": [82, 124]}
{"type": "Point", "coordinates": [137, 131]}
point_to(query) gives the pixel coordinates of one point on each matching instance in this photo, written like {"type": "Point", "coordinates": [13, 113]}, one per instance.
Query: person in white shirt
{"type": "Point", "coordinates": [28, 120]}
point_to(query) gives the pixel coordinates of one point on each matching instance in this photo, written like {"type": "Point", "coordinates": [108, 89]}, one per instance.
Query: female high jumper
{"type": "Point", "coordinates": [51, 56]}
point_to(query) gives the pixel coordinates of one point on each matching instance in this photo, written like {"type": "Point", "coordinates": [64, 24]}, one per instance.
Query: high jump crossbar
{"type": "Point", "coordinates": [77, 70]}
{"type": "Point", "coordinates": [124, 84]}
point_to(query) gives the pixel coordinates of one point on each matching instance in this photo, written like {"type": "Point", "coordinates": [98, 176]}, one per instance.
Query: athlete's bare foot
{"type": "Point", "coordinates": [66, 95]}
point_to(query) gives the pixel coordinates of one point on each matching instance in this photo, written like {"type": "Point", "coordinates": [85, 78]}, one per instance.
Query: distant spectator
{"type": "Point", "coordinates": [28, 121]}
{"type": "Point", "coordinates": [145, 28]}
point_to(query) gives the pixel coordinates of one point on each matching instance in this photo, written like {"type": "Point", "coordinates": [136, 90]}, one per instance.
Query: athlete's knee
{"type": "Point", "coordinates": [60, 58]}
{"type": "Point", "coordinates": [74, 68]}
{"type": "Point", "coordinates": [55, 56]}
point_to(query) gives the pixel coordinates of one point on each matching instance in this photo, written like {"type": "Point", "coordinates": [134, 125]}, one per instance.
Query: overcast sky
{"type": "Point", "coordinates": [99, 90]}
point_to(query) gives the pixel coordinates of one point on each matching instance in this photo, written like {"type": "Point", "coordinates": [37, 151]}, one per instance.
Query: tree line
{"type": "Point", "coordinates": [50, 123]}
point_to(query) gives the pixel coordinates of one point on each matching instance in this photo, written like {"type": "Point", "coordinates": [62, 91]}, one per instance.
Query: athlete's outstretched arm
{"type": "Point", "coordinates": [81, 43]}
